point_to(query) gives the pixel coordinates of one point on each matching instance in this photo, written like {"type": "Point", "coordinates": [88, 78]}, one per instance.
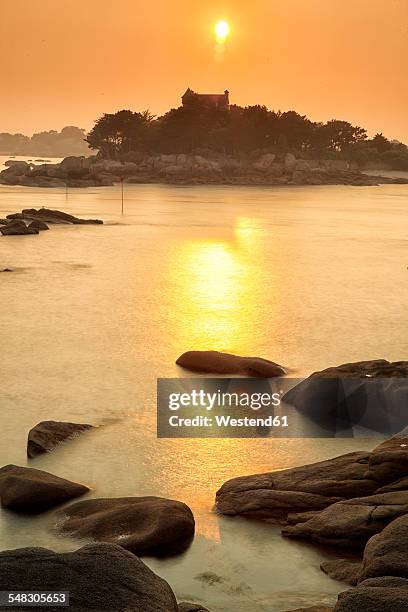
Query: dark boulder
{"type": "Point", "coordinates": [98, 577]}
{"type": "Point", "coordinates": [296, 490]}
{"type": "Point", "coordinates": [372, 394]}
{"type": "Point", "coordinates": [151, 526]}
{"type": "Point", "coordinates": [45, 436]}
{"type": "Point", "coordinates": [214, 362]}
{"type": "Point", "coordinates": [33, 491]}
{"type": "Point", "coordinates": [17, 228]}
{"type": "Point", "coordinates": [350, 523]}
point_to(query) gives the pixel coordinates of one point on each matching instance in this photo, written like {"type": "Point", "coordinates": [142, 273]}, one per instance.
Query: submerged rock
{"type": "Point", "coordinates": [17, 228]}
{"type": "Point", "coordinates": [100, 577]}
{"type": "Point", "coordinates": [151, 526]}
{"type": "Point", "coordinates": [214, 362]}
{"type": "Point", "coordinates": [33, 491]}
{"type": "Point", "coordinates": [274, 495]}
{"type": "Point", "coordinates": [45, 436]}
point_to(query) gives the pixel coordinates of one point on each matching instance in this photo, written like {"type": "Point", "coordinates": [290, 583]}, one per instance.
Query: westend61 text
{"type": "Point", "coordinates": [228, 421]}
{"type": "Point", "coordinates": [218, 399]}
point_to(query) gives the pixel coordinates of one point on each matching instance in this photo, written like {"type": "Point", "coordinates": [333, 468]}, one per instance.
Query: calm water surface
{"type": "Point", "coordinates": [92, 315]}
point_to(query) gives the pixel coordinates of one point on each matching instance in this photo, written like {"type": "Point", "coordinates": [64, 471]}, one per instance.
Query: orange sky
{"type": "Point", "coordinates": [69, 61]}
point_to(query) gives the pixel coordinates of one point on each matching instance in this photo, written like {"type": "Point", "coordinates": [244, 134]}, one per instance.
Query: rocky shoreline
{"type": "Point", "coordinates": [356, 503]}
{"type": "Point", "coordinates": [257, 168]}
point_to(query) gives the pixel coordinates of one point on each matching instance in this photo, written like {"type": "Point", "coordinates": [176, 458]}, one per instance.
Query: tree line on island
{"type": "Point", "coordinates": [196, 127]}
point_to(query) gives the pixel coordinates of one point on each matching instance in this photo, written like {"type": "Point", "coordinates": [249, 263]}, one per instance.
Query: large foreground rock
{"type": "Point", "coordinates": [387, 594]}
{"type": "Point", "coordinates": [45, 436]}
{"type": "Point", "coordinates": [389, 462]}
{"type": "Point", "coordinates": [386, 552]}
{"type": "Point", "coordinates": [52, 216]}
{"type": "Point", "coordinates": [350, 523]}
{"type": "Point", "coordinates": [214, 362]}
{"type": "Point", "coordinates": [310, 487]}
{"type": "Point", "coordinates": [32, 491]}
{"type": "Point", "coordinates": [151, 526]}
{"type": "Point", "coordinates": [98, 577]}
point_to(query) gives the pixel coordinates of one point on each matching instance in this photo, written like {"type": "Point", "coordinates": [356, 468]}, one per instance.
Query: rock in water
{"type": "Point", "coordinates": [144, 525]}
{"type": "Point", "coordinates": [214, 362]}
{"type": "Point", "coordinates": [55, 216]}
{"type": "Point", "coordinates": [99, 577]}
{"type": "Point", "coordinates": [33, 491]}
{"type": "Point", "coordinates": [45, 436]}
{"type": "Point", "coordinates": [17, 228]}
{"type": "Point", "coordinates": [385, 594]}
{"type": "Point", "coordinates": [38, 225]}
{"type": "Point", "coordinates": [274, 495]}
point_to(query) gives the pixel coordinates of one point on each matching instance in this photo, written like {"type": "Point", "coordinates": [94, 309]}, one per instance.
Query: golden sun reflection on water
{"type": "Point", "coordinates": [218, 287]}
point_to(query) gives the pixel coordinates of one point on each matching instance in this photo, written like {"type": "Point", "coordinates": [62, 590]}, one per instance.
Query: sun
{"type": "Point", "coordinates": [222, 31]}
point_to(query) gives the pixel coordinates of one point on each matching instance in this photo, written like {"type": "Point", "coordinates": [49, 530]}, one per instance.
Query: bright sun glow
{"type": "Point", "coordinates": [222, 31]}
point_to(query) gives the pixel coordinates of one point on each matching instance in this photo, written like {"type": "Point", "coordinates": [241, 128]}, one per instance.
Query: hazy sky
{"type": "Point", "coordinates": [69, 61]}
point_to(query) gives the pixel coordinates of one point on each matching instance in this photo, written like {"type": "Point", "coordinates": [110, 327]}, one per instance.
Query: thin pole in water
{"type": "Point", "coordinates": [121, 182]}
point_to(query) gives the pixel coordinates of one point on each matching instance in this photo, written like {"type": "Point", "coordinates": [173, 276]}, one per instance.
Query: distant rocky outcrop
{"type": "Point", "coordinates": [45, 436]}
{"type": "Point", "coordinates": [47, 215]}
{"type": "Point", "coordinates": [214, 362]}
{"type": "Point", "coordinates": [151, 526]}
{"type": "Point", "coordinates": [98, 577]}
{"type": "Point", "coordinates": [256, 168]}
{"type": "Point", "coordinates": [32, 221]}
{"type": "Point", "coordinates": [31, 491]}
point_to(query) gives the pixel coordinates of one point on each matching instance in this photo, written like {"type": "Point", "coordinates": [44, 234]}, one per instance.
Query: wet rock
{"type": "Point", "coordinates": [100, 577]}
{"type": "Point", "coordinates": [214, 362]}
{"type": "Point", "coordinates": [350, 523]}
{"type": "Point", "coordinates": [151, 526]}
{"type": "Point", "coordinates": [7, 270]}
{"type": "Point", "coordinates": [4, 221]}
{"type": "Point", "coordinates": [33, 491]}
{"type": "Point", "coordinates": [38, 225]}
{"type": "Point", "coordinates": [17, 228]}
{"type": "Point", "coordinates": [343, 570]}
{"type": "Point", "coordinates": [45, 436]}
{"type": "Point", "coordinates": [311, 487]}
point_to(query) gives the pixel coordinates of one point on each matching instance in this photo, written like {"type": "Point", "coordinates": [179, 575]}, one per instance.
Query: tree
{"type": "Point", "coordinates": [120, 132]}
